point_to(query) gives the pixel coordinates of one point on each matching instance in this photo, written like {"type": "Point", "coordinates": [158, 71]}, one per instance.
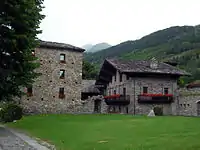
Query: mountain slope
{"type": "Point", "coordinates": [98, 47]}
{"type": "Point", "coordinates": [180, 44]}
{"type": "Point", "coordinates": [87, 46]}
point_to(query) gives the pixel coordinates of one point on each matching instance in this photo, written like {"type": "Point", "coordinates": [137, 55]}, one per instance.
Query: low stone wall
{"type": "Point", "coordinates": [188, 102]}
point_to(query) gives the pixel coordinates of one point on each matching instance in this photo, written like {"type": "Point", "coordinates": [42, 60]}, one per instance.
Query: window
{"type": "Point", "coordinates": [114, 91]}
{"type": "Point", "coordinates": [30, 91]}
{"type": "Point", "coordinates": [124, 91]}
{"type": "Point", "coordinates": [62, 74]}
{"type": "Point", "coordinates": [61, 93]}
{"type": "Point", "coordinates": [145, 89]}
{"type": "Point", "coordinates": [120, 78]}
{"type": "Point", "coordinates": [127, 77]}
{"type": "Point", "coordinates": [166, 91]}
{"type": "Point", "coordinates": [62, 57]}
{"type": "Point", "coordinates": [115, 78]}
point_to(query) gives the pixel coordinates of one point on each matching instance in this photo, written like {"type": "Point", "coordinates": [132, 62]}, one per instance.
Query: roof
{"type": "Point", "coordinates": [61, 46]}
{"type": "Point", "coordinates": [144, 66]}
{"type": "Point", "coordinates": [88, 86]}
{"type": "Point", "coordinates": [195, 84]}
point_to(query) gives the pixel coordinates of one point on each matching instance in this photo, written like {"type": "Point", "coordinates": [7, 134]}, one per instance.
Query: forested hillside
{"type": "Point", "coordinates": [180, 44]}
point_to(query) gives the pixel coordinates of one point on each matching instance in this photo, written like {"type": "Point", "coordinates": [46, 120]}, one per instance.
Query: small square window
{"type": "Point", "coordinates": [62, 74]}
{"type": "Point", "coordinates": [166, 91]}
{"type": "Point", "coordinates": [61, 93]}
{"type": "Point", "coordinates": [30, 91]}
{"type": "Point", "coordinates": [62, 57]}
{"type": "Point", "coordinates": [145, 90]}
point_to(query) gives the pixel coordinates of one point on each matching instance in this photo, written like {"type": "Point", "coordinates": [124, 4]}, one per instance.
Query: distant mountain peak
{"type": "Point", "coordinates": [95, 48]}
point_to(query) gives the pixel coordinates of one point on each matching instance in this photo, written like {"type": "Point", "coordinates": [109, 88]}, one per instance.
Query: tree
{"type": "Point", "coordinates": [89, 71]}
{"type": "Point", "coordinates": [19, 26]}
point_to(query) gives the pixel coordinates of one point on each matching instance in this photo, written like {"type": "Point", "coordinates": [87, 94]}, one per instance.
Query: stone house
{"type": "Point", "coordinates": [137, 86]}
{"type": "Point", "coordinates": [189, 100]}
{"type": "Point", "coordinates": [58, 89]}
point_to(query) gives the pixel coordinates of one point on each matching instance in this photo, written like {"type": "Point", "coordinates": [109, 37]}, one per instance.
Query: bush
{"type": "Point", "coordinates": [10, 112]}
{"type": "Point", "coordinates": [158, 111]}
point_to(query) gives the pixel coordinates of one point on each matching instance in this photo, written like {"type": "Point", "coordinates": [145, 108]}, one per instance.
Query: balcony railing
{"type": "Point", "coordinates": [155, 98]}
{"type": "Point", "coordinates": [117, 100]}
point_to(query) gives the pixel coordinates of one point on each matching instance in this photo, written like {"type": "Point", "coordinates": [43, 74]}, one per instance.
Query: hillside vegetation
{"type": "Point", "coordinates": [179, 44]}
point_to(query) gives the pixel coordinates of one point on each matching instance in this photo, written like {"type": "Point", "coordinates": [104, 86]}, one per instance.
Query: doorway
{"type": "Point", "coordinates": [97, 106]}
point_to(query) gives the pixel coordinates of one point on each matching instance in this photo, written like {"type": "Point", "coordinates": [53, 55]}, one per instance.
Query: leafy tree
{"type": "Point", "coordinates": [89, 71]}
{"type": "Point", "coordinates": [19, 26]}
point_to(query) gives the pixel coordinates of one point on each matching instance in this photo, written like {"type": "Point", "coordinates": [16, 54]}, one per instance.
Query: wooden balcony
{"type": "Point", "coordinates": [121, 100]}
{"type": "Point", "coordinates": [155, 99]}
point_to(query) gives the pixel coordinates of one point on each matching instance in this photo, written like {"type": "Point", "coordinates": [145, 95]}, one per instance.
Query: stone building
{"type": "Point", "coordinates": [189, 100]}
{"type": "Point", "coordinates": [58, 89]}
{"type": "Point", "coordinates": [136, 86]}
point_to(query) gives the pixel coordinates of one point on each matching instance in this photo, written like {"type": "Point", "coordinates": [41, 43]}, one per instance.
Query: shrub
{"type": "Point", "coordinates": [158, 111]}
{"type": "Point", "coordinates": [10, 112]}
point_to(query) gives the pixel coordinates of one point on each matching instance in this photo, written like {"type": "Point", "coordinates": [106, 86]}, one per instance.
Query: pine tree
{"type": "Point", "coordinates": [19, 26]}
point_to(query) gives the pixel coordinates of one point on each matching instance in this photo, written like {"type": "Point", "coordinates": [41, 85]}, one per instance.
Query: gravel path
{"type": "Point", "coordinates": [9, 141]}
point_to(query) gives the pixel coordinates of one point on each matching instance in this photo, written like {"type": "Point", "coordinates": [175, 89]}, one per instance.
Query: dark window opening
{"type": "Point", "coordinates": [120, 78]}
{"type": "Point", "coordinates": [30, 91]}
{"type": "Point", "coordinates": [115, 78]}
{"type": "Point", "coordinates": [127, 77]}
{"type": "Point", "coordinates": [62, 74]}
{"type": "Point", "coordinates": [145, 90]}
{"type": "Point", "coordinates": [114, 91]}
{"type": "Point", "coordinates": [124, 91]}
{"type": "Point", "coordinates": [62, 58]}
{"type": "Point", "coordinates": [166, 91]}
{"type": "Point", "coordinates": [61, 93]}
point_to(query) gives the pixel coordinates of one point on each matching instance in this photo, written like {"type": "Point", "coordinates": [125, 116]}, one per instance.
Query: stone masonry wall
{"type": "Point", "coordinates": [155, 85]}
{"type": "Point", "coordinates": [45, 97]}
{"type": "Point", "coordinates": [188, 102]}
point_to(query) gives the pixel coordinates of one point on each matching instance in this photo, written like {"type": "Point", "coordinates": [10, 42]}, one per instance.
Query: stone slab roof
{"type": "Point", "coordinates": [62, 46]}
{"type": "Point", "coordinates": [88, 86]}
{"type": "Point", "coordinates": [144, 66]}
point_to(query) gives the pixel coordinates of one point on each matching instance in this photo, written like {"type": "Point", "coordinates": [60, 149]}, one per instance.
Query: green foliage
{"type": "Point", "coordinates": [178, 44]}
{"type": "Point", "coordinates": [10, 112]}
{"type": "Point", "coordinates": [19, 26]}
{"type": "Point", "coordinates": [89, 71]}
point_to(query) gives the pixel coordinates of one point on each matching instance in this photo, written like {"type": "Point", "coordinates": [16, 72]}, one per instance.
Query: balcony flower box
{"type": "Point", "coordinates": [112, 96]}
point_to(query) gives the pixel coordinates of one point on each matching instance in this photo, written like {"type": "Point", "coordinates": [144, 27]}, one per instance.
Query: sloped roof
{"type": "Point", "coordinates": [144, 66]}
{"type": "Point", "coordinates": [61, 46]}
{"type": "Point", "coordinates": [88, 86]}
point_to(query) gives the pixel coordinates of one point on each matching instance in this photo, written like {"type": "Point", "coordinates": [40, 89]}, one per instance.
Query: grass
{"type": "Point", "coordinates": [114, 132]}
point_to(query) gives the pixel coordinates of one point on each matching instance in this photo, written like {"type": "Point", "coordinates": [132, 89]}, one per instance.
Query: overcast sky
{"type": "Point", "coordinates": [80, 22]}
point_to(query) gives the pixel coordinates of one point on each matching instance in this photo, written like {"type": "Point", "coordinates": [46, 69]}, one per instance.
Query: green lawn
{"type": "Point", "coordinates": [114, 132]}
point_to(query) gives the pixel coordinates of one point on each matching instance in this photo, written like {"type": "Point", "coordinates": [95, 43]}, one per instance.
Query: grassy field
{"type": "Point", "coordinates": [114, 132]}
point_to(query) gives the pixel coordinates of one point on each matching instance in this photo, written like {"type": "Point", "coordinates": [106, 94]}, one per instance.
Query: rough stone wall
{"type": "Point", "coordinates": [45, 97]}
{"type": "Point", "coordinates": [88, 105]}
{"type": "Point", "coordinates": [134, 87]}
{"type": "Point", "coordinates": [188, 101]}
{"type": "Point", "coordinates": [155, 86]}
